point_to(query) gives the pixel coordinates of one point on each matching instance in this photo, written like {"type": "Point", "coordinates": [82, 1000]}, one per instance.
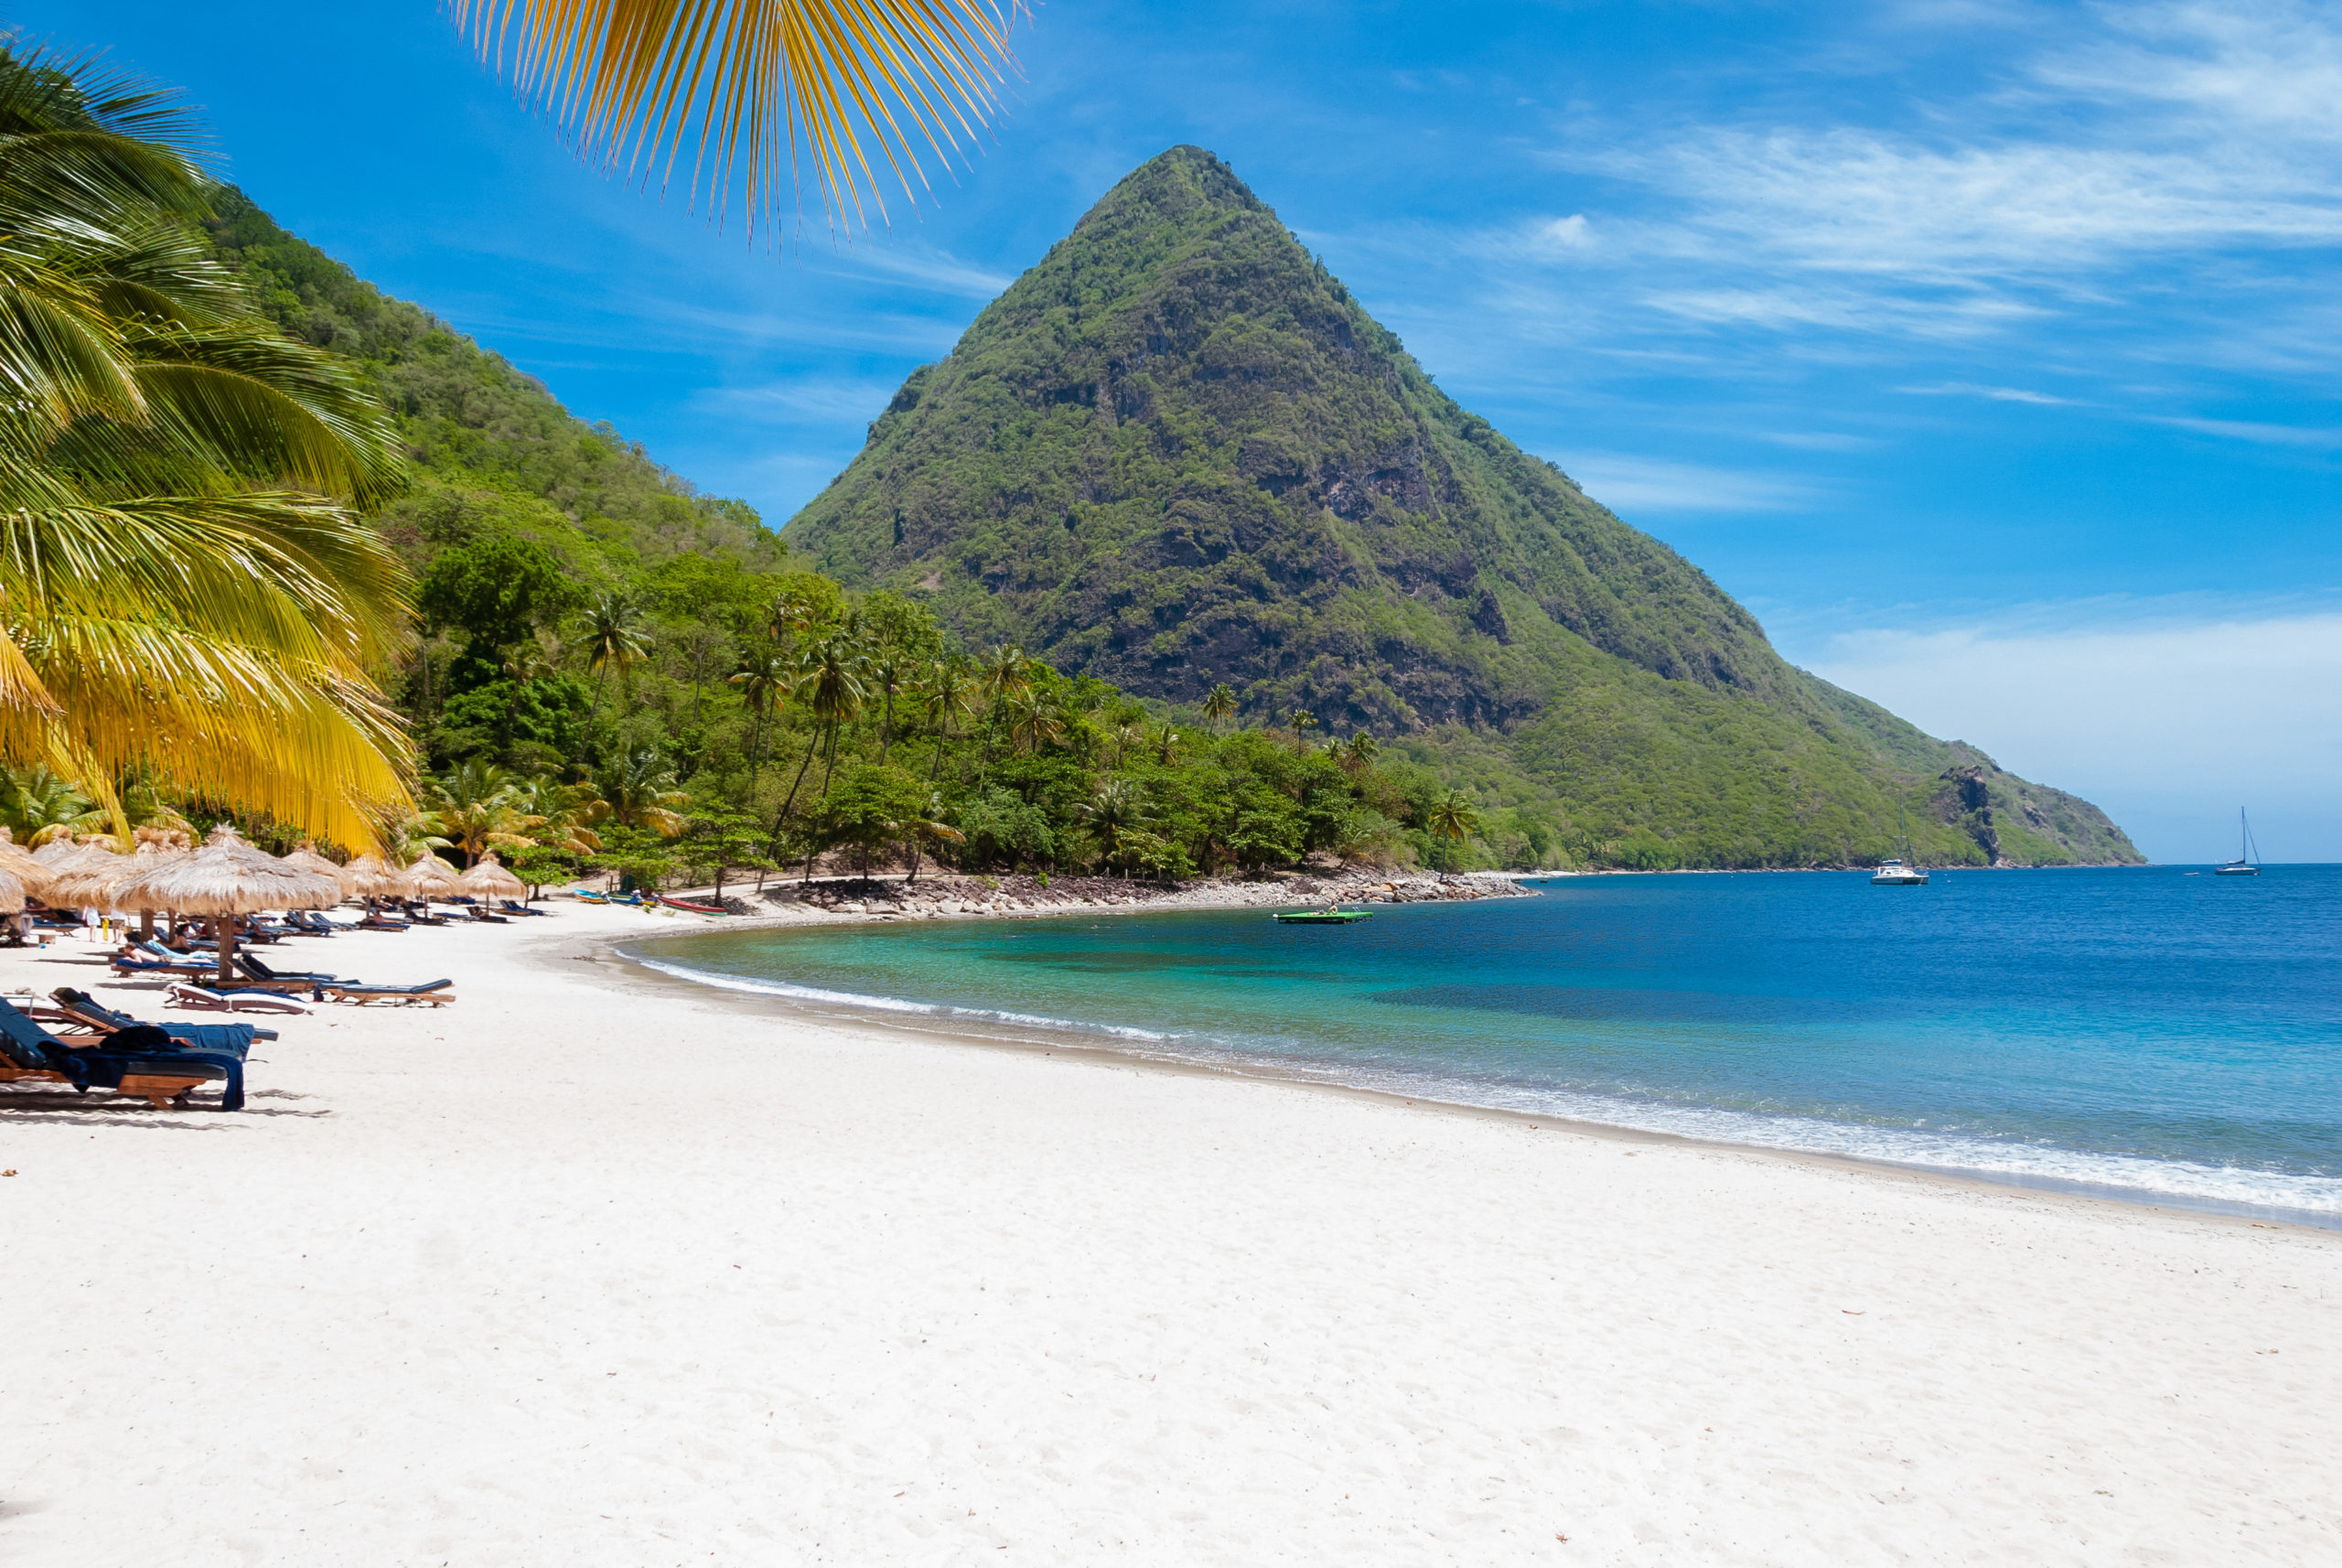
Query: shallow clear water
{"type": "Point", "coordinates": [2138, 1030]}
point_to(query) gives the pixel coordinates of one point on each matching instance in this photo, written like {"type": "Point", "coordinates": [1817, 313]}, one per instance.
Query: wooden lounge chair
{"type": "Point", "coordinates": [476, 912]}
{"type": "Point", "coordinates": [259, 976]}
{"type": "Point", "coordinates": [143, 1062]}
{"type": "Point", "coordinates": [154, 957]}
{"type": "Point", "coordinates": [204, 998]}
{"type": "Point", "coordinates": [438, 993]}
{"type": "Point", "coordinates": [508, 907]}
{"type": "Point", "coordinates": [80, 1007]}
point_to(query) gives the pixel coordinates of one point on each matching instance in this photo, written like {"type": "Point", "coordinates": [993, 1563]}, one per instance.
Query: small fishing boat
{"type": "Point", "coordinates": [692, 908]}
{"type": "Point", "coordinates": [1898, 871]}
{"type": "Point", "coordinates": [2248, 854]}
{"type": "Point", "coordinates": [1331, 914]}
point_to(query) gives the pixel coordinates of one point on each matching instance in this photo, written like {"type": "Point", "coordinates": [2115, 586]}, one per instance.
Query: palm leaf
{"type": "Point", "coordinates": [751, 83]}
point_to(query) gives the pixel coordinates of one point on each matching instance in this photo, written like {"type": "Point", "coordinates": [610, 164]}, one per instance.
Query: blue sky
{"type": "Point", "coordinates": [1986, 350]}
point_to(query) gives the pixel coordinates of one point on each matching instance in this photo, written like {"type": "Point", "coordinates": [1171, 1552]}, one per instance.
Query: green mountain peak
{"type": "Point", "coordinates": [1177, 451]}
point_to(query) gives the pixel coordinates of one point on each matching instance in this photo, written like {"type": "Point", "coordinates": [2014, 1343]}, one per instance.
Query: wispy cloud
{"type": "Point", "coordinates": [1630, 484]}
{"type": "Point", "coordinates": [1994, 394]}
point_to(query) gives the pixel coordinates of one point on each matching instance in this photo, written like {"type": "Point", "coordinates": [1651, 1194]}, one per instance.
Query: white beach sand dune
{"type": "Point", "coordinates": [596, 1268]}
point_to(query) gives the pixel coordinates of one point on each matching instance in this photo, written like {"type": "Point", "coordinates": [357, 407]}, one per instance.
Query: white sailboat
{"type": "Point", "coordinates": [1895, 871]}
{"type": "Point", "coordinates": [2248, 854]}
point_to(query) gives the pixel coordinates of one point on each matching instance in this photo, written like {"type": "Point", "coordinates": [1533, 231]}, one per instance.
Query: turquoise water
{"type": "Point", "coordinates": [2139, 1031]}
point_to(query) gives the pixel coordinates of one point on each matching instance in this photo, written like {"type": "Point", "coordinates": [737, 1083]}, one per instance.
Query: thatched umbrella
{"type": "Point", "coordinates": [306, 857]}
{"type": "Point", "coordinates": [367, 877]}
{"type": "Point", "coordinates": [225, 878]}
{"type": "Point", "coordinates": [20, 863]}
{"type": "Point", "coordinates": [433, 877]}
{"type": "Point", "coordinates": [86, 881]}
{"type": "Point", "coordinates": [11, 894]}
{"type": "Point", "coordinates": [56, 850]}
{"type": "Point", "coordinates": [489, 879]}
{"type": "Point", "coordinates": [73, 872]}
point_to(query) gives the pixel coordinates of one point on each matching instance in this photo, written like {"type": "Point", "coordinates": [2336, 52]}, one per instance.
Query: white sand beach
{"type": "Point", "coordinates": [598, 1268]}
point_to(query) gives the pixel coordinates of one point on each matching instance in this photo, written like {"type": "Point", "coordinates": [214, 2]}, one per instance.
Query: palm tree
{"type": "Point", "coordinates": [614, 637]}
{"type": "Point", "coordinates": [1005, 674]}
{"type": "Point", "coordinates": [1219, 702]}
{"type": "Point", "coordinates": [1301, 719]}
{"type": "Point", "coordinates": [35, 806]}
{"type": "Point", "coordinates": [1112, 807]}
{"type": "Point", "coordinates": [1166, 745]}
{"type": "Point", "coordinates": [1035, 719]}
{"type": "Point", "coordinates": [829, 686]}
{"type": "Point", "coordinates": [1125, 736]}
{"type": "Point", "coordinates": [640, 792]}
{"type": "Point", "coordinates": [565, 813]}
{"type": "Point", "coordinates": [765, 679]}
{"type": "Point", "coordinates": [191, 595]}
{"type": "Point", "coordinates": [1360, 751]}
{"type": "Point", "coordinates": [1453, 817]}
{"type": "Point", "coordinates": [475, 809]}
{"type": "Point", "coordinates": [631, 82]}
{"type": "Point", "coordinates": [929, 825]}
{"type": "Point", "coordinates": [949, 692]}
{"type": "Point", "coordinates": [889, 673]}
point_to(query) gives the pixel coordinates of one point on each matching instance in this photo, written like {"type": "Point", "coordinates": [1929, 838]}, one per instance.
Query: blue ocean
{"type": "Point", "coordinates": [2144, 1032]}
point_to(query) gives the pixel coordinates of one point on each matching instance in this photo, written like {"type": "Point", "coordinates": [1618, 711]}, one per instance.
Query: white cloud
{"type": "Point", "coordinates": [2170, 725]}
{"type": "Point", "coordinates": [1628, 485]}
{"type": "Point", "coordinates": [1994, 394]}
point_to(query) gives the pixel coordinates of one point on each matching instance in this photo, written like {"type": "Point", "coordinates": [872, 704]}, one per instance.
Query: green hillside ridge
{"type": "Point", "coordinates": [1649, 765]}
{"type": "Point", "coordinates": [1178, 452]}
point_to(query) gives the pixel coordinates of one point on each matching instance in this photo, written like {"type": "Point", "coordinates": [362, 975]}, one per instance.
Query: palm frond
{"type": "Point", "coordinates": [749, 83]}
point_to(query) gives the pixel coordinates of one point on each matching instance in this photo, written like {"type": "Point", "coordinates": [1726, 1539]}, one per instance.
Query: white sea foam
{"type": "Point", "coordinates": [2230, 1189]}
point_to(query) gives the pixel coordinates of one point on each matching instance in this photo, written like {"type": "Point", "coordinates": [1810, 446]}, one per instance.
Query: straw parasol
{"type": "Point", "coordinates": [489, 879]}
{"type": "Point", "coordinates": [20, 863]}
{"type": "Point", "coordinates": [87, 881]}
{"type": "Point", "coordinates": [11, 894]}
{"type": "Point", "coordinates": [367, 877]}
{"type": "Point", "coordinates": [432, 876]}
{"type": "Point", "coordinates": [225, 878]}
{"type": "Point", "coordinates": [306, 857]}
{"type": "Point", "coordinates": [73, 873]}
{"type": "Point", "coordinates": [54, 850]}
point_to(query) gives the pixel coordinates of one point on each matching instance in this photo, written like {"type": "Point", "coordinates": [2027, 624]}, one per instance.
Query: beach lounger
{"type": "Point", "coordinates": [265, 978]}
{"type": "Point", "coordinates": [314, 924]}
{"type": "Point", "coordinates": [438, 993]}
{"type": "Point", "coordinates": [80, 1007]}
{"type": "Point", "coordinates": [473, 912]}
{"type": "Point", "coordinates": [143, 1062]}
{"type": "Point", "coordinates": [202, 996]}
{"type": "Point", "coordinates": [380, 922]}
{"type": "Point", "coordinates": [508, 907]}
{"type": "Point", "coordinates": [153, 958]}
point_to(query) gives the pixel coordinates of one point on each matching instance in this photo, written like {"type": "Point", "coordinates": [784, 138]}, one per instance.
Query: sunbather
{"type": "Point", "coordinates": [143, 1061]}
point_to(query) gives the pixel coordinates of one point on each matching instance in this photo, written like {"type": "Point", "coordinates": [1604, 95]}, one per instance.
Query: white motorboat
{"type": "Point", "coordinates": [1898, 871]}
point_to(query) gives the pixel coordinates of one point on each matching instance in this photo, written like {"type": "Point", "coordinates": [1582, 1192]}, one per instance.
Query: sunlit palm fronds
{"type": "Point", "coordinates": [186, 596]}
{"type": "Point", "coordinates": [748, 84]}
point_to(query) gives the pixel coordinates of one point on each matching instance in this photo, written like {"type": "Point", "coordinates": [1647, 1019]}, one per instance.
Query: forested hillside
{"type": "Point", "coordinates": [605, 644]}
{"type": "Point", "coordinates": [1177, 452]}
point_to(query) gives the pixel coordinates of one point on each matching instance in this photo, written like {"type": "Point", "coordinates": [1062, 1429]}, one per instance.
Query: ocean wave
{"type": "Point", "coordinates": [2314, 1199]}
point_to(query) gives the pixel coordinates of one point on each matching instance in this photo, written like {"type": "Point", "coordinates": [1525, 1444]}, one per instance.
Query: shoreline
{"type": "Point", "coordinates": [609, 1271]}
{"type": "Point", "coordinates": [1093, 1043]}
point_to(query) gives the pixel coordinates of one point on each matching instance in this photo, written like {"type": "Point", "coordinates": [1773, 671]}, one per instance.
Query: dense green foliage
{"type": "Point", "coordinates": [671, 691]}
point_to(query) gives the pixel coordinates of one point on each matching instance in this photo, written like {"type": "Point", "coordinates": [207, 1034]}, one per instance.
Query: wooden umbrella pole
{"type": "Point", "coordinates": [226, 926]}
